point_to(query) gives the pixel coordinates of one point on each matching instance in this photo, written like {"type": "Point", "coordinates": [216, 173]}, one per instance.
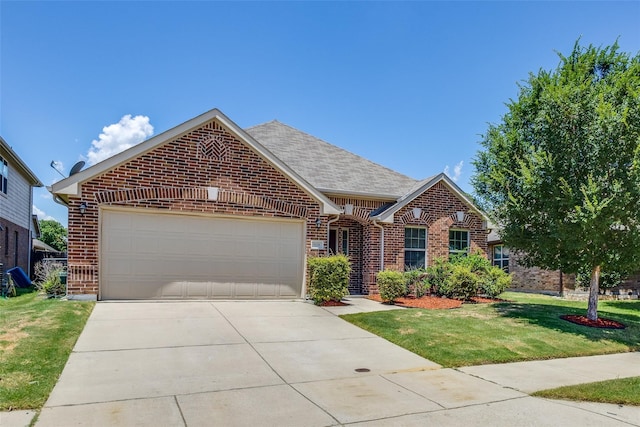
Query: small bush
{"type": "Point", "coordinates": [391, 285]}
{"type": "Point", "coordinates": [462, 283]}
{"type": "Point", "coordinates": [329, 278]}
{"type": "Point", "coordinates": [494, 282]}
{"type": "Point", "coordinates": [608, 280]}
{"type": "Point", "coordinates": [477, 262]}
{"type": "Point", "coordinates": [48, 280]}
{"type": "Point", "coordinates": [8, 288]}
{"type": "Point", "coordinates": [416, 282]}
{"type": "Point", "coordinates": [438, 273]}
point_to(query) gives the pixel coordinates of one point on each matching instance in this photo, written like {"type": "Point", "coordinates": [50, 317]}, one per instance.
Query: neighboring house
{"type": "Point", "coordinates": [209, 210]}
{"type": "Point", "coordinates": [16, 201]}
{"type": "Point", "coordinates": [528, 279]}
{"type": "Point", "coordinates": [536, 279]}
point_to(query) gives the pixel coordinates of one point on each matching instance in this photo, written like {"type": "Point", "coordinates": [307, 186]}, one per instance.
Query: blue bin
{"type": "Point", "coordinates": [19, 277]}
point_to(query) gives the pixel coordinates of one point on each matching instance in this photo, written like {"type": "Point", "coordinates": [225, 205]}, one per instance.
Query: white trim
{"type": "Point", "coordinates": [466, 230]}
{"type": "Point", "coordinates": [387, 216]}
{"type": "Point", "coordinates": [426, 243]}
{"type": "Point", "coordinates": [71, 186]}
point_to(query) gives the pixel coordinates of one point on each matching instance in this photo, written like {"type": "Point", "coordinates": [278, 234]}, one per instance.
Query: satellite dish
{"type": "Point", "coordinates": [76, 168]}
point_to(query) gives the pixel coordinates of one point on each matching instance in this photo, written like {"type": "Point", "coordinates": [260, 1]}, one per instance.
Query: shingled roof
{"type": "Point", "coordinates": [328, 168]}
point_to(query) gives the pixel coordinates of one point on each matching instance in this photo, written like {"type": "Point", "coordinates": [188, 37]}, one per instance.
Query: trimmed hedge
{"type": "Point", "coordinates": [329, 278]}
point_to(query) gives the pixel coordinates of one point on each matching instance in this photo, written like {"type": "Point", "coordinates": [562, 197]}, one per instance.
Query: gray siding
{"type": "Point", "coordinates": [15, 206]}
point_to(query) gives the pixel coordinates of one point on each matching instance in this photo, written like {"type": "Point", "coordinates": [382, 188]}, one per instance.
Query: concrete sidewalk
{"type": "Point", "coordinates": [292, 363]}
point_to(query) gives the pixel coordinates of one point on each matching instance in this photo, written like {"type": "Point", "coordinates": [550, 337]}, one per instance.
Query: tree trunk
{"type": "Point", "coordinates": [592, 311]}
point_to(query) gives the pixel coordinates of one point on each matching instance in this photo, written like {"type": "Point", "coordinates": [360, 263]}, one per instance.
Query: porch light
{"type": "Point", "coordinates": [83, 208]}
{"type": "Point", "coordinates": [318, 222]}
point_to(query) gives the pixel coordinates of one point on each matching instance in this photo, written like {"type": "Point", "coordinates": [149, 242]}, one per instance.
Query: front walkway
{"type": "Point", "coordinates": [292, 363]}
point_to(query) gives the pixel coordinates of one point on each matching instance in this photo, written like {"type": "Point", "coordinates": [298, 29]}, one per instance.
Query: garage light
{"type": "Point", "coordinates": [318, 222]}
{"type": "Point", "coordinates": [83, 208]}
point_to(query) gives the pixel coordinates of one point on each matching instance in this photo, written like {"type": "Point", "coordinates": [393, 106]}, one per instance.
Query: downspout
{"type": "Point", "coordinates": [329, 222]}
{"type": "Point", "coordinates": [375, 224]}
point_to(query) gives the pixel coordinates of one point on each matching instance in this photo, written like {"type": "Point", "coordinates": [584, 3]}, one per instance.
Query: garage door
{"type": "Point", "coordinates": [148, 255]}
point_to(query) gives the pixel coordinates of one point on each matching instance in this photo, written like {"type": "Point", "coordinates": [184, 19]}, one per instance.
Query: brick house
{"type": "Point", "coordinates": [209, 210]}
{"type": "Point", "coordinates": [536, 279]}
{"type": "Point", "coordinates": [16, 200]}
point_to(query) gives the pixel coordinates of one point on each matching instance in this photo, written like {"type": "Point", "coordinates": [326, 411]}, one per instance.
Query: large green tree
{"type": "Point", "coordinates": [561, 172]}
{"type": "Point", "coordinates": [53, 234]}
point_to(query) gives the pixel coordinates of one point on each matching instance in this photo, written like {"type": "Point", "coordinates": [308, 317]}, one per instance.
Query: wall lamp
{"type": "Point", "coordinates": [318, 222]}
{"type": "Point", "coordinates": [83, 208]}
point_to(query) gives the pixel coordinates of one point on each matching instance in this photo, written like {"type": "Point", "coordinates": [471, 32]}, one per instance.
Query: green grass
{"type": "Point", "coordinates": [528, 328]}
{"type": "Point", "coordinates": [623, 391]}
{"type": "Point", "coordinates": [36, 338]}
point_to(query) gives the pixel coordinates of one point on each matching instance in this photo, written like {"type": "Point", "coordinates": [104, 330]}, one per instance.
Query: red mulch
{"type": "Point", "coordinates": [333, 304]}
{"type": "Point", "coordinates": [423, 302]}
{"type": "Point", "coordinates": [434, 303]}
{"type": "Point", "coordinates": [600, 323]}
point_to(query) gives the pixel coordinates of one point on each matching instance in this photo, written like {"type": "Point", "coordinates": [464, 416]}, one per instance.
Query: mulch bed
{"type": "Point", "coordinates": [600, 323]}
{"type": "Point", "coordinates": [428, 302]}
{"type": "Point", "coordinates": [333, 304]}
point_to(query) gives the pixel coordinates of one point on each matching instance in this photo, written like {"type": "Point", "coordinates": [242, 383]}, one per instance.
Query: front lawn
{"type": "Point", "coordinates": [527, 328]}
{"type": "Point", "coordinates": [36, 338]}
{"type": "Point", "coordinates": [622, 391]}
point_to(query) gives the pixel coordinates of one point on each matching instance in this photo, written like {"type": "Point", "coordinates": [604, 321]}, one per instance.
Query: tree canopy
{"type": "Point", "coordinates": [53, 234]}
{"type": "Point", "coordinates": [561, 173]}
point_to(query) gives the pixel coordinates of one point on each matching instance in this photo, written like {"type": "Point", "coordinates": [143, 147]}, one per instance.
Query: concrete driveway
{"type": "Point", "coordinates": [272, 364]}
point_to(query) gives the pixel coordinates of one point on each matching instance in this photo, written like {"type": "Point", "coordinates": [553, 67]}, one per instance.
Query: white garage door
{"type": "Point", "coordinates": [150, 255]}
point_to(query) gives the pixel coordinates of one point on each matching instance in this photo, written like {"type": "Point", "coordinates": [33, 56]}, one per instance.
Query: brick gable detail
{"type": "Point", "coordinates": [174, 177]}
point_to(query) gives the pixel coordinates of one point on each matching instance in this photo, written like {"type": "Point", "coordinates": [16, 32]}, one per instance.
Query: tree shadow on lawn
{"type": "Point", "coordinates": [624, 304]}
{"type": "Point", "coordinates": [548, 316]}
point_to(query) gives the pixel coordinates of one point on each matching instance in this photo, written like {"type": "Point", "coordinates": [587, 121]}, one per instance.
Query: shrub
{"type": "Point", "coordinates": [494, 282]}
{"type": "Point", "coordinates": [329, 278]}
{"type": "Point", "coordinates": [391, 285]}
{"type": "Point", "coordinates": [416, 281]}
{"type": "Point", "coordinates": [48, 280]}
{"type": "Point", "coordinates": [607, 280]}
{"type": "Point", "coordinates": [477, 262]}
{"type": "Point", "coordinates": [438, 273]}
{"type": "Point", "coordinates": [462, 283]}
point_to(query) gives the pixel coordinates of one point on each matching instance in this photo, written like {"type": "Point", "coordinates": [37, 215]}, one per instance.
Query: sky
{"type": "Point", "coordinates": [410, 85]}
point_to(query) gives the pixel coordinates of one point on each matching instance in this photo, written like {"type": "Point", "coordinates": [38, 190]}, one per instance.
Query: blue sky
{"type": "Point", "coordinates": [410, 85]}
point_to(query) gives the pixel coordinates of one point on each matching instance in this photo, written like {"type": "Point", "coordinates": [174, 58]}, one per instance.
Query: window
{"type": "Point", "coordinates": [458, 242]}
{"type": "Point", "coordinates": [338, 241]}
{"type": "Point", "coordinates": [501, 257]}
{"type": "Point", "coordinates": [345, 241]}
{"type": "Point", "coordinates": [415, 248]}
{"type": "Point", "coordinates": [4, 175]}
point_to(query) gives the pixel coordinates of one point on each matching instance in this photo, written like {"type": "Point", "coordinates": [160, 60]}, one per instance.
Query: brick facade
{"type": "Point", "coordinates": [15, 246]}
{"type": "Point", "coordinates": [174, 177]}
{"type": "Point", "coordinates": [536, 279]}
{"type": "Point", "coordinates": [177, 174]}
{"type": "Point", "coordinates": [438, 206]}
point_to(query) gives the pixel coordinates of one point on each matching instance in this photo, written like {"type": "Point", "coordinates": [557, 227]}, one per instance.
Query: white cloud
{"type": "Point", "coordinates": [457, 171]}
{"type": "Point", "coordinates": [41, 214]}
{"type": "Point", "coordinates": [117, 137]}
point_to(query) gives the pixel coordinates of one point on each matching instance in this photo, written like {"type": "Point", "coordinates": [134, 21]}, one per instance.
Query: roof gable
{"type": "Point", "coordinates": [7, 152]}
{"type": "Point", "coordinates": [330, 169]}
{"type": "Point", "coordinates": [387, 215]}
{"type": "Point", "coordinates": [71, 185]}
